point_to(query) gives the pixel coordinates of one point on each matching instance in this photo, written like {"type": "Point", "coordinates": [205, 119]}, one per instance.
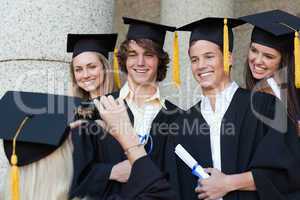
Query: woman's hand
{"type": "Point", "coordinates": [116, 121]}
{"type": "Point", "coordinates": [121, 172]}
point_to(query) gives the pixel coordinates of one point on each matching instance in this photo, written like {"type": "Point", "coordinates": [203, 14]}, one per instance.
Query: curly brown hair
{"type": "Point", "coordinates": [151, 46]}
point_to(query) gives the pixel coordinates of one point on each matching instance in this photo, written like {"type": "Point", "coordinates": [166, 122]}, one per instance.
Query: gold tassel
{"type": "Point", "coordinates": [116, 70]}
{"type": "Point", "coordinates": [225, 47]}
{"type": "Point", "coordinates": [297, 59]}
{"type": "Point", "coordinates": [176, 66]}
{"type": "Point", "coordinates": [15, 174]}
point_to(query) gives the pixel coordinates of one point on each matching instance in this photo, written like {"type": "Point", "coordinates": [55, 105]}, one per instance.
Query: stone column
{"type": "Point", "coordinates": [178, 13]}
{"type": "Point", "coordinates": [33, 44]}
{"type": "Point", "coordinates": [33, 40]}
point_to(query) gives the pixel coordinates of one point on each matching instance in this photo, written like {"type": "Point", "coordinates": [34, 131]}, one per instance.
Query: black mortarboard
{"type": "Point", "coordinates": [270, 28]}
{"type": "Point", "coordinates": [216, 30]}
{"type": "Point", "coordinates": [211, 29]}
{"type": "Point", "coordinates": [45, 129]}
{"type": "Point", "coordinates": [101, 43]}
{"type": "Point", "coordinates": [139, 29]}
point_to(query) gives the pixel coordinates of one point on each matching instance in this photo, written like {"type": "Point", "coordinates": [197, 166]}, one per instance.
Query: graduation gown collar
{"type": "Point", "coordinates": [229, 139]}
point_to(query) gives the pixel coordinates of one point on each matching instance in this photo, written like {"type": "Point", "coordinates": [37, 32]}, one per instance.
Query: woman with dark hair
{"type": "Point", "coordinates": [270, 65]}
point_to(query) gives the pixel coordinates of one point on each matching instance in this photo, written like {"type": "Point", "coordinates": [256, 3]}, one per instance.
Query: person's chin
{"type": "Point", "coordinates": [205, 84]}
{"type": "Point", "coordinates": [90, 89]}
{"type": "Point", "coordinates": [143, 81]}
{"type": "Point", "coordinates": [259, 76]}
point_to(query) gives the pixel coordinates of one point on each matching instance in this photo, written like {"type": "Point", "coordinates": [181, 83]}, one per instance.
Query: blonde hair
{"type": "Point", "coordinates": [4, 166]}
{"type": "Point", "coordinates": [108, 83]}
{"type": "Point", "coordinates": [49, 178]}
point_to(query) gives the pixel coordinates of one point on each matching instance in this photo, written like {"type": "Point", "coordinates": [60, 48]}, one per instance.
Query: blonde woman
{"type": "Point", "coordinates": [43, 150]}
{"type": "Point", "coordinates": [50, 176]}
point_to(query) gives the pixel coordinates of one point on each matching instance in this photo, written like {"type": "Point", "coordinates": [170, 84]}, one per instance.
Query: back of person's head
{"type": "Point", "coordinates": [49, 178]}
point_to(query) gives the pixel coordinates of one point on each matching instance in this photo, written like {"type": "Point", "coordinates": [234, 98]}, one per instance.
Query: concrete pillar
{"type": "Point", "coordinates": [33, 40]}
{"type": "Point", "coordinates": [33, 44]}
{"type": "Point", "coordinates": [178, 13]}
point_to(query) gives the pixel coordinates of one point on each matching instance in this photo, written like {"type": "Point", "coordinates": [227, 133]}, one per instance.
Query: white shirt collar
{"type": "Point", "coordinates": [274, 86]}
{"type": "Point", "coordinates": [223, 99]}
{"type": "Point", "coordinates": [125, 91]}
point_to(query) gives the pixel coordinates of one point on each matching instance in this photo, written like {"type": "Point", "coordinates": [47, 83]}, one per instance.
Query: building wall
{"type": "Point", "coordinates": [36, 32]}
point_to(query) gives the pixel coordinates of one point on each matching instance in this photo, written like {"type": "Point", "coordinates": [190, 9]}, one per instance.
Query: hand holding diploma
{"type": "Point", "coordinates": [209, 187]}
{"type": "Point", "coordinates": [197, 170]}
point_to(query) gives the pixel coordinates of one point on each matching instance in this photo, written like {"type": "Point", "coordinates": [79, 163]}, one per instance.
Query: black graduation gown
{"type": "Point", "coordinates": [246, 144]}
{"type": "Point", "coordinates": [96, 152]}
{"type": "Point", "coordinates": [144, 184]}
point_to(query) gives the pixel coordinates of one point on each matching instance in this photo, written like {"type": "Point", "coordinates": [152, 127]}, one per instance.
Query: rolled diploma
{"type": "Point", "coordinates": [197, 170]}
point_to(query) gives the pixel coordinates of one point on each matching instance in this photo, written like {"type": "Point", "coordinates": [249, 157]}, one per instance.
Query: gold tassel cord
{"type": "Point", "coordinates": [15, 174]}
{"type": "Point", "coordinates": [297, 59]}
{"type": "Point", "coordinates": [296, 55]}
{"type": "Point", "coordinates": [226, 46]}
{"type": "Point", "coordinates": [116, 70]}
{"type": "Point", "coordinates": [176, 66]}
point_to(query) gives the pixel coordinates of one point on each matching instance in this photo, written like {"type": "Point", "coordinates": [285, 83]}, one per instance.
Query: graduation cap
{"type": "Point", "coordinates": [33, 126]}
{"type": "Point", "coordinates": [214, 29]}
{"type": "Point", "coordinates": [276, 29]}
{"type": "Point", "coordinates": [101, 43]}
{"type": "Point", "coordinates": [140, 29]}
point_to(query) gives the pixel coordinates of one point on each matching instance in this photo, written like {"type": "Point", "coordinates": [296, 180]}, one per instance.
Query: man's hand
{"type": "Point", "coordinates": [214, 187]}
